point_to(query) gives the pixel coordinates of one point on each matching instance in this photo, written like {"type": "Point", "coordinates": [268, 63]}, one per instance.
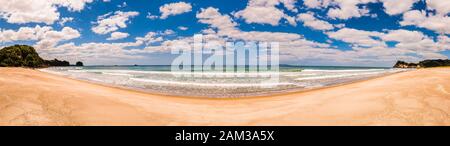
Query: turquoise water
{"type": "Point", "coordinates": [216, 83]}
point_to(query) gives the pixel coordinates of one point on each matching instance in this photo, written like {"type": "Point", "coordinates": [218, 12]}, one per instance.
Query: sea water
{"type": "Point", "coordinates": [213, 83]}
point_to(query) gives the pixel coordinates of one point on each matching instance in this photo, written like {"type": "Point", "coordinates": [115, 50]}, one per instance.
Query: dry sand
{"type": "Point", "coordinates": [420, 97]}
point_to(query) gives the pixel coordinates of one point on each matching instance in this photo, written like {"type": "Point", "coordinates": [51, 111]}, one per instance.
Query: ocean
{"type": "Point", "coordinates": [239, 82]}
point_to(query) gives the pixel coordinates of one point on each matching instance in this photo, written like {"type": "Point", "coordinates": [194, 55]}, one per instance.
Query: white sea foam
{"type": "Point", "coordinates": [214, 83]}
{"type": "Point", "coordinates": [212, 73]}
{"type": "Point", "coordinates": [117, 74]}
{"type": "Point", "coordinates": [344, 70]}
{"type": "Point", "coordinates": [341, 75]}
{"type": "Point", "coordinates": [52, 72]}
{"type": "Point", "coordinates": [209, 84]}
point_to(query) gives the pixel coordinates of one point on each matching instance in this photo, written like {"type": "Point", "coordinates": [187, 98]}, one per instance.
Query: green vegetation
{"type": "Point", "coordinates": [26, 56]}
{"type": "Point", "coordinates": [424, 64]}
{"type": "Point", "coordinates": [20, 55]}
{"type": "Point", "coordinates": [56, 62]}
{"type": "Point", "coordinates": [79, 63]}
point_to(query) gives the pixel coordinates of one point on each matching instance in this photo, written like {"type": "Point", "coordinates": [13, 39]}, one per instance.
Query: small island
{"type": "Point", "coordinates": [423, 64]}
{"type": "Point", "coordinates": [26, 56]}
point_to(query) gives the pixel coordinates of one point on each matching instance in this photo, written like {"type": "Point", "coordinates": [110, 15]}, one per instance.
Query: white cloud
{"type": "Point", "coordinates": [373, 44]}
{"type": "Point", "coordinates": [213, 17]}
{"type": "Point", "coordinates": [64, 20]}
{"type": "Point", "coordinates": [261, 15]}
{"type": "Point", "coordinates": [291, 20]}
{"type": "Point", "coordinates": [182, 28]}
{"type": "Point", "coordinates": [108, 23]}
{"type": "Point", "coordinates": [348, 9]}
{"type": "Point", "coordinates": [93, 53]}
{"type": "Point", "coordinates": [52, 38]}
{"type": "Point", "coordinates": [309, 20]}
{"type": "Point", "coordinates": [151, 17]}
{"type": "Point", "coordinates": [290, 5]}
{"type": "Point", "coordinates": [395, 7]}
{"type": "Point", "coordinates": [38, 11]}
{"type": "Point", "coordinates": [124, 4]}
{"type": "Point", "coordinates": [38, 33]}
{"type": "Point", "coordinates": [359, 38]}
{"type": "Point", "coordinates": [168, 32]}
{"type": "Point", "coordinates": [174, 9]}
{"type": "Point", "coordinates": [316, 3]}
{"type": "Point", "coordinates": [436, 23]}
{"type": "Point", "coordinates": [341, 9]}
{"type": "Point", "coordinates": [45, 36]}
{"type": "Point", "coordinates": [441, 6]}
{"type": "Point", "coordinates": [402, 35]}
{"type": "Point", "coordinates": [118, 35]}
{"type": "Point", "coordinates": [266, 12]}
{"type": "Point", "coordinates": [293, 46]}
{"type": "Point", "coordinates": [150, 37]}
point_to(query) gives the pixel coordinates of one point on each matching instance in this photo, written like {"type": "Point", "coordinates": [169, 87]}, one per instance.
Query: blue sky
{"type": "Point", "coordinates": [311, 32]}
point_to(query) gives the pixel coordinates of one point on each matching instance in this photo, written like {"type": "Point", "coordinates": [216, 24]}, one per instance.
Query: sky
{"type": "Point", "coordinates": [310, 32]}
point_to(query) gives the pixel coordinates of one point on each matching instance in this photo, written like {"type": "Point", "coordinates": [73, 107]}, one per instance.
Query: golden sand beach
{"type": "Point", "coordinates": [419, 97]}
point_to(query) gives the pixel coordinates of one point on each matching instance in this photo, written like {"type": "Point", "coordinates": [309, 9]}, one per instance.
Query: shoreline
{"type": "Point", "coordinates": [284, 92]}
{"type": "Point", "coordinates": [418, 97]}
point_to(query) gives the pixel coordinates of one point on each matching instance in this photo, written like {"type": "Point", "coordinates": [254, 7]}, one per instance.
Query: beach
{"type": "Point", "coordinates": [418, 97]}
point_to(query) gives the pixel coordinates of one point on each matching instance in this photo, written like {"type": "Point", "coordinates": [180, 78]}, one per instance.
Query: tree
{"type": "Point", "coordinates": [20, 55]}
{"type": "Point", "coordinates": [26, 56]}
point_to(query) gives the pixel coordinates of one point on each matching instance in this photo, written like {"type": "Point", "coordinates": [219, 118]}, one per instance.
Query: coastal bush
{"type": "Point", "coordinates": [434, 63]}
{"type": "Point", "coordinates": [425, 64]}
{"type": "Point", "coordinates": [26, 56]}
{"type": "Point", "coordinates": [56, 62]}
{"type": "Point", "coordinates": [20, 55]}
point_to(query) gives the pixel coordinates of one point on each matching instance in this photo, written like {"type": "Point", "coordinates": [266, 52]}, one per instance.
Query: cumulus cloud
{"type": "Point", "coordinates": [316, 3]}
{"type": "Point", "coordinates": [108, 23]}
{"type": "Point", "coordinates": [174, 9]}
{"type": "Point", "coordinates": [182, 28]}
{"type": "Point", "coordinates": [442, 7]}
{"type": "Point", "coordinates": [395, 7]}
{"type": "Point", "coordinates": [263, 15]}
{"type": "Point", "coordinates": [150, 37]}
{"type": "Point", "coordinates": [38, 33]}
{"type": "Point", "coordinates": [364, 46]}
{"type": "Point", "coordinates": [45, 36]}
{"type": "Point", "coordinates": [372, 43]}
{"type": "Point", "coordinates": [367, 47]}
{"type": "Point", "coordinates": [404, 36]}
{"type": "Point", "coordinates": [310, 21]}
{"type": "Point", "coordinates": [93, 53]}
{"type": "Point", "coordinates": [118, 35]}
{"type": "Point", "coordinates": [358, 38]}
{"type": "Point", "coordinates": [348, 9]}
{"type": "Point", "coordinates": [64, 20]}
{"type": "Point", "coordinates": [418, 18]}
{"type": "Point", "coordinates": [266, 12]}
{"type": "Point", "coordinates": [38, 11]}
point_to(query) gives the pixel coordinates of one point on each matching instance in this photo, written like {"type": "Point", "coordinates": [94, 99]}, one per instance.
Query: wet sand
{"type": "Point", "coordinates": [419, 97]}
